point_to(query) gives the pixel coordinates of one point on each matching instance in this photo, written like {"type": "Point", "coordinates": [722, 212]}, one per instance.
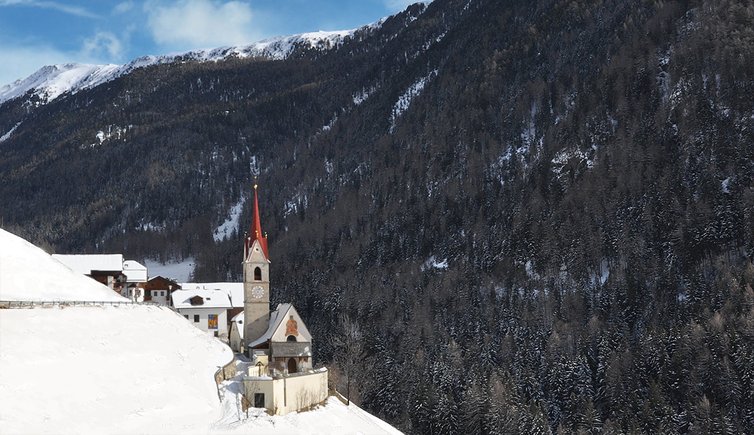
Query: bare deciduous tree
{"type": "Point", "coordinates": [350, 349]}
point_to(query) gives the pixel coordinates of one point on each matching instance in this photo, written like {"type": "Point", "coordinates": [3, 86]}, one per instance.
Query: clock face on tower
{"type": "Point", "coordinates": [257, 292]}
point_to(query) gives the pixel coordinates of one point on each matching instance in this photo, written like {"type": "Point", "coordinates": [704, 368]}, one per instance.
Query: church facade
{"type": "Point", "coordinates": [281, 377]}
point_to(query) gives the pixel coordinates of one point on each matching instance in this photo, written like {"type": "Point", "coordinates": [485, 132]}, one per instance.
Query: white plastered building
{"type": "Point", "coordinates": [205, 309]}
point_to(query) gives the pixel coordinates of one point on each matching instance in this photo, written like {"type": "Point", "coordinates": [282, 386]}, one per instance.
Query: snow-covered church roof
{"type": "Point", "coordinates": [276, 331]}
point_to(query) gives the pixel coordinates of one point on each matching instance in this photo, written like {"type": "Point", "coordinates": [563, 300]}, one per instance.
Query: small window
{"type": "Point", "coordinates": [257, 274]}
{"type": "Point", "coordinates": [196, 318]}
{"type": "Point", "coordinates": [186, 316]}
{"type": "Point", "coordinates": [291, 338]}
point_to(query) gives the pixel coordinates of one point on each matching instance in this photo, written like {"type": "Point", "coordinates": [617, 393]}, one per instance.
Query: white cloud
{"type": "Point", "coordinates": [123, 7]}
{"type": "Point", "coordinates": [73, 10]}
{"type": "Point", "coordinates": [189, 24]}
{"type": "Point", "coordinates": [102, 43]}
{"type": "Point", "coordinates": [20, 62]}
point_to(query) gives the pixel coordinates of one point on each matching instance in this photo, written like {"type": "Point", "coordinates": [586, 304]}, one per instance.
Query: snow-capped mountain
{"type": "Point", "coordinates": [51, 81]}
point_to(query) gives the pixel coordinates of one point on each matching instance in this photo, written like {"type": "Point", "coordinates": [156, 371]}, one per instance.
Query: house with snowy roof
{"type": "Point", "coordinates": [158, 290]}
{"type": "Point", "coordinates": [234, 290]}
{"type": "Point", "coordinates": [136, 278]}
{"type": "Point", "coordinates": [282, 378]}
{"type": "Point", "coordinates": [104, 268]}
{"type": "Point", "coordinates": [205, 309]}
{"type": "Point", "coordinates": [125, 277]}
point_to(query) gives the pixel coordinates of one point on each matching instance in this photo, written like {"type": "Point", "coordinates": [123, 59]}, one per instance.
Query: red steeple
{"type": "Point", "coordinates": [255, 231]}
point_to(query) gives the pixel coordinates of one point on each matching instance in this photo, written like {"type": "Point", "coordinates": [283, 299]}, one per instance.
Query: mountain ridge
{"type": "Point", "coordinates": [47, 83]}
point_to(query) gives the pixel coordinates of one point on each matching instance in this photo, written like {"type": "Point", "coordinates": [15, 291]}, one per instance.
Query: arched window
{"type": "Point", "coordinates": [291, 338]}
{"type": "Point", "coordinates": [257, 274]}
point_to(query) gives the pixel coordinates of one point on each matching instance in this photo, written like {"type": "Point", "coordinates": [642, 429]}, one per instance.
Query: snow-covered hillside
{"type": "Point", "coordinates": [121, 369]}
{"type": "Point", "coordinates": [51, 81]}
{"type": "Point", "coordinates": [332, 418]}
{"type": "Point", "coordinates": [28, 273]}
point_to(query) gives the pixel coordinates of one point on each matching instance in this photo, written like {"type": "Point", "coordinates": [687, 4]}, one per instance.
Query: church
{"type": "Point", "coordinates": [281, 377]}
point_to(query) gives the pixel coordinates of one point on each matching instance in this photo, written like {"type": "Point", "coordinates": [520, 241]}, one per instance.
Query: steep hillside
{"type": "Point", "coordinates": [547, 205]}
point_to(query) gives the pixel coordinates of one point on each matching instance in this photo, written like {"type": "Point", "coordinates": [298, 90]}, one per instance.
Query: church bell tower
{"type": "Point", "coordinates": [256, 279]}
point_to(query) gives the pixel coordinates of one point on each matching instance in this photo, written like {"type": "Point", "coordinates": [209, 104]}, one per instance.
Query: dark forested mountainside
{"type": "Point", "coordinates": [535, 216]}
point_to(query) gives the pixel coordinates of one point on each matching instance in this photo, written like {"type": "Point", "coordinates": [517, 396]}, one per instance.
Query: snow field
{"type": "Point", "coordinates": [117, 370]}
{"type": "Point", "coordinates": [179, 271]}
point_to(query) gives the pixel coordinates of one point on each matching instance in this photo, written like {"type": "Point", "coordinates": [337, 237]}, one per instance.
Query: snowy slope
{"type": "Point", "coordinates": [51, 81]}
{"type": "Point", "coordinates": [28, 273]}
{"type": "Point", "coordinates": [120, 370]}
{"type": "Point", "coordinates": [332, 418]}
{"type": "Point", "coordinates": [179, 271]}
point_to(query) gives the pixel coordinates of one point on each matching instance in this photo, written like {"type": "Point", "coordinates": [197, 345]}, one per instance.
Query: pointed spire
{"type": "Point", "coordinates": [255, 232]}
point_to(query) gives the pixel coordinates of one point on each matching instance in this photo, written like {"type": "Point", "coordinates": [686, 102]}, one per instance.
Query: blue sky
{"type": "Point", "coordinates": [34, 33]}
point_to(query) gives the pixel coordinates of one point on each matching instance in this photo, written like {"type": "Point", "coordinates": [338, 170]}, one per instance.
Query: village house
{"type": "Point", "coordinates": [234, 290]}
{"type": "Point", "coordinates": [136, 278]}
{"type": "Point", "coordinates": [104, 268]}
{"type": "Point", "coordinates": [205, 309]}
{"type": "Point", "coordinates": [127, 278]}
{"type": "Point", "coordinates": [158, 290]}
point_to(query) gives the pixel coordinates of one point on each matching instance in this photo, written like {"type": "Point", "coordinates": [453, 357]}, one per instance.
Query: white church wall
{"type": "Point", "coordinates": [234, 337]}
{"type": "Point", "coordinates": [289, 393]}
{"type": "Point", "coordinates": [303, 391]}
